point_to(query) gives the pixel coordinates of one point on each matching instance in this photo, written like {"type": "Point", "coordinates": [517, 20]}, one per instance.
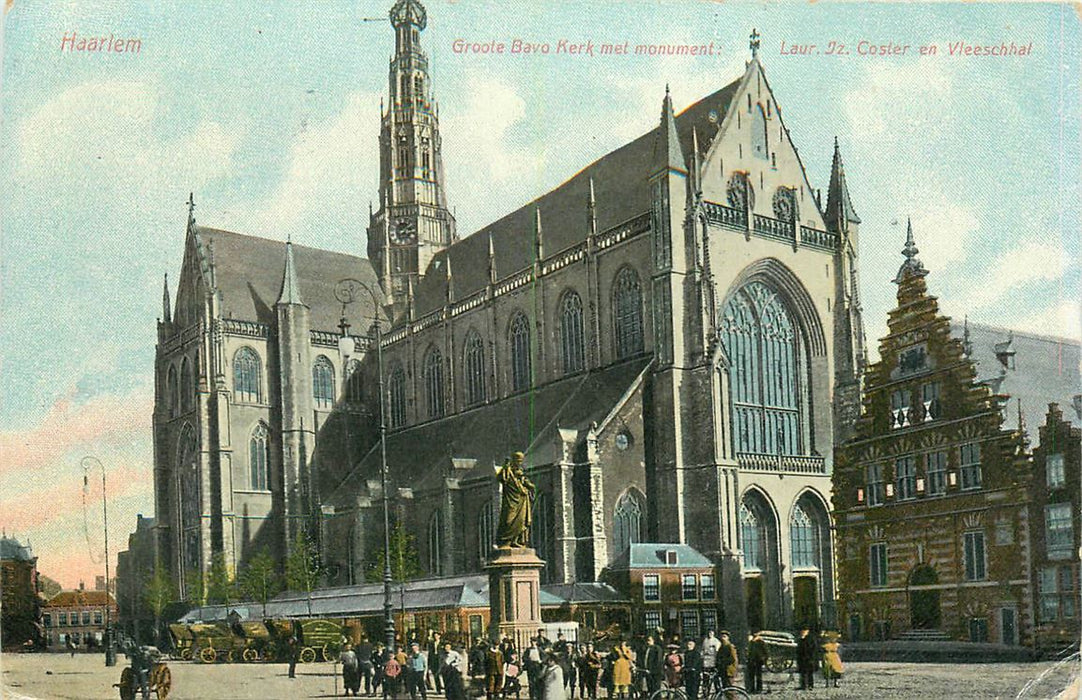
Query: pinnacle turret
{"type": "Point", "coordinates": [667, 152]}
{"type": "Point", "coordinates": [839, 211]}
{"type": "Point", "coordinates": [291, 288]}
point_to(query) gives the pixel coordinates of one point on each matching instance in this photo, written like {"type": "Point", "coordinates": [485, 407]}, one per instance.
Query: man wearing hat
{"type": "Point", "coordinates": [727, 660]}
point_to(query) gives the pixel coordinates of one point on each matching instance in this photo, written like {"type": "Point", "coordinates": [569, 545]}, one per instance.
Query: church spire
{"type": "Point", "coordinates": [291, 288]}
{"type": "Point", "coordinates": [667, 152]}
{"type": "Point", "coordinates": [167, 306]}
{"type": "Point", "coordinates": [191, 211]}
{"type": "Point", "coordinates": [839, 212]}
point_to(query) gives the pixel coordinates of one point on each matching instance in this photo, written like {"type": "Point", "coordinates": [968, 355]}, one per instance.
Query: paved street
{"type": "Point", "coordinates": [49, 676]}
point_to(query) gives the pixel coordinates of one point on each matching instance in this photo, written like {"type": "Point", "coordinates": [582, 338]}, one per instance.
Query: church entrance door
{"type": "Point", "coordinates": [805, 602]}
{"type": "Point", "coordinates": [753, 594]}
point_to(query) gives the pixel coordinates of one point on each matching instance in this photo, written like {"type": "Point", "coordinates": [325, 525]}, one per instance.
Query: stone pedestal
{"type": "Point", "coordinates": [514, 593]}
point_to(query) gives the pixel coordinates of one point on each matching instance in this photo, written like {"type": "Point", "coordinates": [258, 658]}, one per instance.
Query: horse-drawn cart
{"type": "Point", "coordinates": [780, 649]}
{"type": "Point", "coordinates": [159, 678]}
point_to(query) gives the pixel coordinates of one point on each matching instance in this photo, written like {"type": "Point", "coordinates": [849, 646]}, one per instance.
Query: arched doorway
{"type": "Point", "coordinates": [923, 603]}
{"type": "Point", "coordinates": [759, 542]}
{"type": "Point", "coordinates": [810, 560]}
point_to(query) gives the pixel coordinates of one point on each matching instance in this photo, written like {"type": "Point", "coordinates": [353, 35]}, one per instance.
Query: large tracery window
{"type": "Point", "coordinates": [323, 382]}
{"type": "Point", "coordinates": [761, 341]}
{"type": "Point", "coordinates": [190, 507]}
{"type": "Point", "coordinates": [753, 538]}
{"type": "Point", "coordinates": [247, 375]}
{"type": "Point", "coordinates": [520, 352]}
{"type": "Point", "coordinates": [187, 387]}
{"type": "Point", "coordinates": [627, 312]}
{"type": "Point", "coordinates": [805, 539]}
{"type": "Point", "coordinates": [396, 397]}
{"type": "Point", "coordinates": [172, 392]}
{"type": "Point", "coordinates": [434, 383]}
{"type": "Point", "coordinates": [474, 356]}
{"type": "Point", "coordinates": [257, 459]}
{"type": "Point", "coordinates": [628, 521]}
{"type": "Point", "coordinates": [572, 340]}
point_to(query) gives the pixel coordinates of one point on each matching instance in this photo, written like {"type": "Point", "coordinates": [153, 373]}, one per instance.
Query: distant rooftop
{"type": "Point", "coordinates": [12, 550]}
{"type": "Point", "coordinates": [1035, 369]}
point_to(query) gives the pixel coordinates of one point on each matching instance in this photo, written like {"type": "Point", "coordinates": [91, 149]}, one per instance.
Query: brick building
{"type": "Point", "coordinates": [932, 496]}
{"type": "Point", "coordinates": [79, 615]}
{"type": "Point", "coordinates": [670, 587]}
{"type": "Point", "coordinates": [19, 585]}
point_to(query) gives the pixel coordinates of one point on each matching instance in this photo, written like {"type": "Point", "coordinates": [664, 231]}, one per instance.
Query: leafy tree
{"type": "Point", "coordinates": [220, 587]}
{"type": "Point", "coordinates": [405, 561]}
{"type": "Point", "coordinates": [260, 580]}
{"type": "Point", "coordinates": [303, 567]}
{"type": "Point", "coordinates": [158, 591]}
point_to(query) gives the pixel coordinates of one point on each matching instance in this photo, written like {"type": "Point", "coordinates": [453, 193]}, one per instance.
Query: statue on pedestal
{"type": "Point", "coordinates": [516, 507]}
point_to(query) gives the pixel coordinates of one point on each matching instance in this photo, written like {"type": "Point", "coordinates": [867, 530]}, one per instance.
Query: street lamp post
{"type": "Point", "coordinates": [87, 462]}
{"type": "Point", "coordinates": [346, 292]}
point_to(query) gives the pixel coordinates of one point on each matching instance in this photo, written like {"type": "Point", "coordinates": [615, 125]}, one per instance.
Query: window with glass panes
{"type": "Point", "coordinates": [474, 365]}
{"type": "Point", "coordinates": [520, 352]}
{"type": "Point", "coordinates": [62, 619]}
{"type": "Point", "coordinates": [974, 556]}
{"type": "Point", "coordinates": [627, 313]}
{"type": "Point", "coordinates": [323, 382]}
{"type": "Point", "coordinates": [905, 478]}
{"type": "Point", "coordinates": [247, 375]}
{"type": "Point", "coordinates": [1054, 471]}
{"type": "Point", "coordinates": [97, 617]}
{"type": "Point", "coordinates": [651, 587]}
{"type": "Point", "coordinates": [930, 401]}
{"type": "Point", "coordinates": [900, 401]}
{"type": "Point", "coordinates": [936, 469]}
{"type": "Point", "coordinates": [689, 623]}
{"type": "Point", "coordinates": [874, 483]}
{"type": "Point", "coordinates": [688, 588]}
{"type": "Point", "coordinates": [710, 620]}
{"type": "Point", "coordinates": [1048, 588]}
{"type": "Point", "coordinates": [970, 465]}
{"type": "Point", "coordinates": [86, 617]}
{"type": "Point", "coordinates": [706, 587]}
{"type": "Point", "coordinates": [572, 334]}
{"type": "Point", "coordinates": [879, 564]}
{"type": "Point", "coordinates": [1058, 530]}
{"type": "Point", "coordinates": [1069, 597]}
{"type": "Point", "coordinates": [804, 540]}
{"type": "Point", "coordinates": [651, 620]}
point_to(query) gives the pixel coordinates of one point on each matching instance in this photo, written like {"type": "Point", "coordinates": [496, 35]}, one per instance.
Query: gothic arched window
{"type": "Point", "coordinates": [474, 361]}
{"type": "Point", "coordinates": [627, 521]}
{"type": "Point", "coordinates": [187, 387]}
{"type": "Point", "coordinates": [323, 382]}
{"type": "Point", "coordinates": [247, 375]}
{"type": "Point", "coordinates": [760, 147]}
{"type": "Point", "coordinates": [572, 341]}
{"type": "Point", "coordinates": [627, 313]}
{"type": "Point", "coordinates": [354, 382]}
{"type": "Point", "coordinates": [190, 506]}
{"type": "Point", "coordinates": [752, 538]}
{"type": "Point", "coordinates": [761, 342]}
{"type": "Point", "coordinates": [804, 538]}
{"type": "Point", "coordinates": [434, 382]}
{"type": "Point", "coordinates": [396, 397]}
{"type": "Point", "coordinates": [486, 531]}
{"type": "Point", "coordinates": [257, 459]}
{"type": "Point", "coordinates": [520, 352]}
{"type": "Point", "coordinates": [435, 558]}
{"type": "Point", "coordinates": [172, 392]}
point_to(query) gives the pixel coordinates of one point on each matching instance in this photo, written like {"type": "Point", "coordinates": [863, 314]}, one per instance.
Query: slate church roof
{"type": "Point", "coordinates": [491, 432]}
{"type": "Point", "coordinates": [1037, 369]}
{"type": "Point", "coordinates": [248, 271]}
{"type": "Point", "coordinates": [621, 192]}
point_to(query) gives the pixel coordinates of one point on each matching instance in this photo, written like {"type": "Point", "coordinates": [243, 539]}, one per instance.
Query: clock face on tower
{"type": "Point", "coordinates": [404, 231]}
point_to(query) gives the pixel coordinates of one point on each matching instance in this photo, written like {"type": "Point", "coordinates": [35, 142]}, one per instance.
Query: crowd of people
{"type": "Point", "coordinates": [548, 670]}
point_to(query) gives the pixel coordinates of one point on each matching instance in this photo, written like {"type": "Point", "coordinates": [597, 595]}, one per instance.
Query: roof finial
{"type": "Point", "coordinates": [912, 265]}
{"type": "Point", "coordinates": [967, 344]}
{"type": "Point", "coordinates": [753, 42]}
{"type": "Point", "coordinates": [191, 210]}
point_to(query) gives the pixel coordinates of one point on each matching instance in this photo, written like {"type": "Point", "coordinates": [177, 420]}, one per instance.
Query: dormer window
{"type": "Point", "coordinates": [670, 557]}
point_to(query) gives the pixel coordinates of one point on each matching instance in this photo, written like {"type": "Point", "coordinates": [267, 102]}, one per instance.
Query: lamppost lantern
{"type": "Point", "coordinates": [346, 344]}
{"type": "Point", "coordinates": [347, 291]}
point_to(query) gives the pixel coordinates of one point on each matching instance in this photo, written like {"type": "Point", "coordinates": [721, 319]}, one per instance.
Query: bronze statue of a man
{"type": "Point", "coordinates": [516, 507]}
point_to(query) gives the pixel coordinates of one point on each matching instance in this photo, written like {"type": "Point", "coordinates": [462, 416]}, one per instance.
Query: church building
{"type": "Point", "coordinates": [672, 336]}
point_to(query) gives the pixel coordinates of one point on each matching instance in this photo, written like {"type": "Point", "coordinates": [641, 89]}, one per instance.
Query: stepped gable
{"type": "Point", "coordinates": [248, 272]}
{"type": "Point", "coordinates": [621, 191]}
{"type": "Point", "coordinates": [491, 432]}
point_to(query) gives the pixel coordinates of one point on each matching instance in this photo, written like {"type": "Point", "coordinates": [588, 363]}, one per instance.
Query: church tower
{"type": "Point", "coordinates": [413, 222]}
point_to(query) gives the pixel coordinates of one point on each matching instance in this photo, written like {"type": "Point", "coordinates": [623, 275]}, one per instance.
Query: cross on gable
{"type": "Point", "coordinates": [754, 42]}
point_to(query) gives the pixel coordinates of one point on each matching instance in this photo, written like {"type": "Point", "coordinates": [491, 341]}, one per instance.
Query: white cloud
{"type": "Point", "coordinates": [1012, 271]}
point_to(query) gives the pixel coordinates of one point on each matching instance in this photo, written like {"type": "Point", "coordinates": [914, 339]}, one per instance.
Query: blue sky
{"type": "Point", "coordinates": [268, 111]}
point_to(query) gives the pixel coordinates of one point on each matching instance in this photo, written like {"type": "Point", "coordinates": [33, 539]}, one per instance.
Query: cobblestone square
{"type": "Point", "coordinates": [58, 677]}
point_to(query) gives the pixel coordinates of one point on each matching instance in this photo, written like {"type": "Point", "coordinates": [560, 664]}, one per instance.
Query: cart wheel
{"type": "Point", "coordinates": [230, 656]}
{"type": "Point", "coordinates": [165, 682]}
{"type": "Point", "coordinates": [250, 655]}
{"type": "Point", "coordinates": [331, 653]}
{"type": "Point", "coordinates": [308, 655]}
{"type": "Point", "coordinates": [208, 655]}
{"type": "Point", "coordinates": [127, 685]}
{"type": "Point", "coordinates": [186, 654]}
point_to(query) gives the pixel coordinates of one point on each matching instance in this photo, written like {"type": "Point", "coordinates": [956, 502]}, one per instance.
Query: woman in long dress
{"type": "Point", "coordinates": [621, 670]}
{"type": "Point", "coordinates": [832, 660]}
